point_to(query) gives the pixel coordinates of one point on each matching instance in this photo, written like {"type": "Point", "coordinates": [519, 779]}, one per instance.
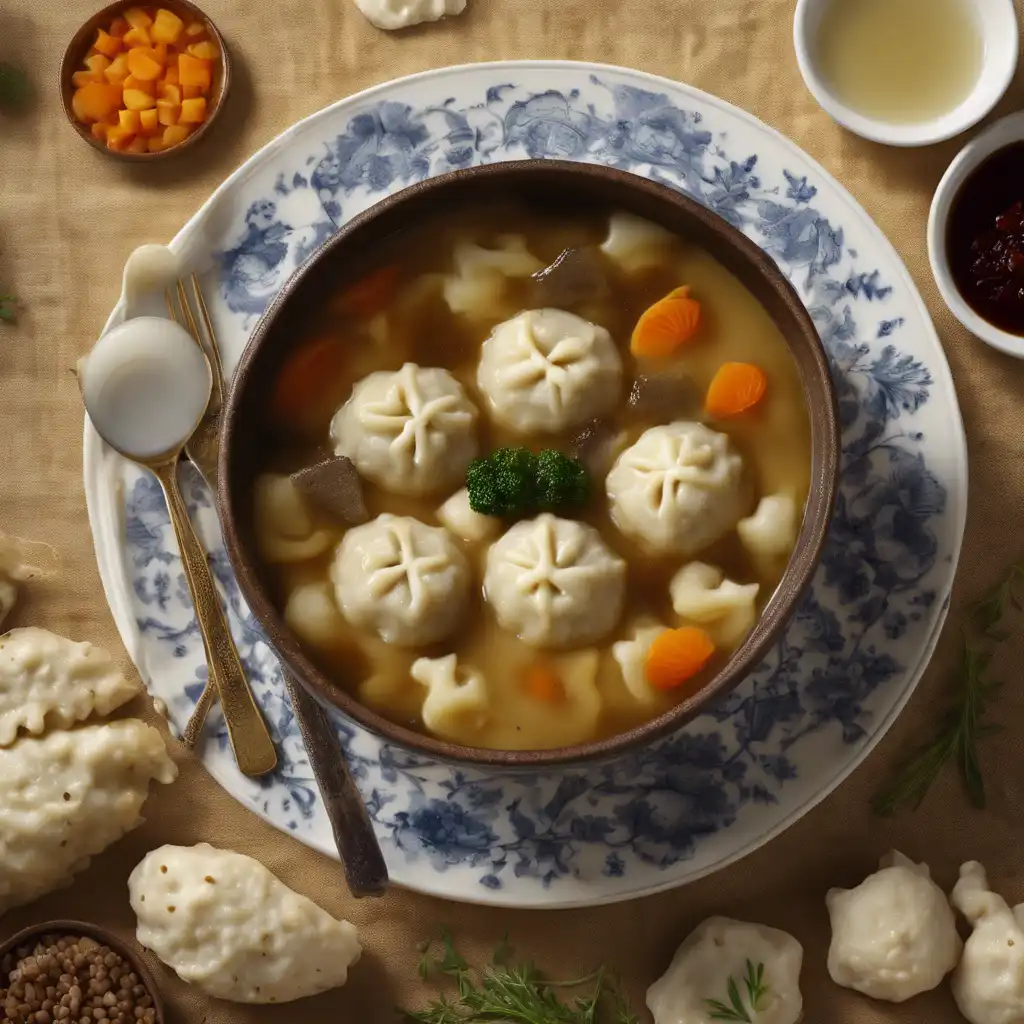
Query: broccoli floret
{"type": "Point", "coordinates": [561, 481]}
{"type": "Point", "coordinates": [503, 484]}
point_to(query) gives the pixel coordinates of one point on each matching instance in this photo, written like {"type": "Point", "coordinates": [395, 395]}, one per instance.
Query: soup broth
{"type": "Point", "coordinates": [401, 313]}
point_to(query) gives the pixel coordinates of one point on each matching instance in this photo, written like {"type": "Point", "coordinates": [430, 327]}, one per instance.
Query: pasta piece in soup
{"type": "Point", "coordinates": [313, 615]}
{"type": "Point", "coordinates": [635, 244]}
{"type": "Point", "coordinates": [479, 281]}
{"type": "Point", "coordinates": [467, 525]}
{"type": "Point", "coordinates": [555, 583]}
{"type": "Point", "coordinates": [677, 489]}
{"type": "Point", "coordinates": [702, 594]}
{"type": "Point", "coordinates": [546, 370]}
{"type": "Point", "coordinates": [411, 432]}
{"type": "Point", "coordinates": [771, 531]}
{"type": "Point", "coordinates": [631, 657]}
{"type": "Point", "coordinates": [456, 705]}
{"type": "Point", "coordinates": [284, 524]}
{"type": "Point", "coordinates": [401, 579]}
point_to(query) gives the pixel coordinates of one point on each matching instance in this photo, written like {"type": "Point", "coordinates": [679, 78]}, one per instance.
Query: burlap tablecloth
{"type": "Point", "coordinates": [68, 219]}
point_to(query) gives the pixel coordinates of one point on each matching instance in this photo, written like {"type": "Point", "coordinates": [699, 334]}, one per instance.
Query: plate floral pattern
{"type": "Point", "coordinates": [858, 642]}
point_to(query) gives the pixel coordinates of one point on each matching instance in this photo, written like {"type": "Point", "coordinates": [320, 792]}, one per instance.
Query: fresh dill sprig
{"type": "Point", "coordinates": [956, 738]}
{"type": "Point", "coordinates": [736, 1009]}
{"type": "Point", "coordinates": [503, 991]}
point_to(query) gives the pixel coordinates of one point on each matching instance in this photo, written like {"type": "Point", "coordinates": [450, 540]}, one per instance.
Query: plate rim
{"type": "Point", "coordinates": [112, 569]}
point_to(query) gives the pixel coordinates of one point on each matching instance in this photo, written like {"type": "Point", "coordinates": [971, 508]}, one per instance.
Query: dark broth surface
{"type": "Point", "coordinates": [418, 326]}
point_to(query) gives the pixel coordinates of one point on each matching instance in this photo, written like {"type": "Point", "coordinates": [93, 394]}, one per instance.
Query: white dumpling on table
{"type": "Point", "coordinates": [20, 561]}
{"type": "Point", "coordinates": [546, 370]}
{"type": "Point", "coordinates": [636, 244]}
{"type": "Point", "coordinates": [283, 523]}
{"type": "Point", "coordinates": [988, 983]}
{"type": "Point", "coordinates": [678, 489]}
{"type": "Point", "coordinates": [477, 285]}
{"type": "Point", "coordinates": [225, 924]}
{"type": "Point", "coordinates": [894, 935]}
{"type": "Point", "coordinates": [402, 580]}
{"type": "Point", "coordinates": [456, 704]}
{"type": "Point", "coordinates": [47, 681]}
{"type": "Point", "coordinates": [554, 583]}
{"type": "Point", "coordinates": [67, 796]}
{"type": "Point", "coordinates": [727, 609]}
{"type": "Point", "coordinates": [458, 517]}
{"type": "Point", "coordinates": [397, 14]}
{"type": "Point", "coordinates": [411, 431]}
{"type": "Point", "coordinates": [770, 533]}
{"type": "Point", "coordinates": [720, 950]}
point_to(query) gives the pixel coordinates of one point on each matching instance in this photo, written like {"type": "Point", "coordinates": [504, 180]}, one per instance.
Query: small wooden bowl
{"type": "Point", "coordinates": [82, 42]}
{"type": "Point", "coordinates": [104, 938]}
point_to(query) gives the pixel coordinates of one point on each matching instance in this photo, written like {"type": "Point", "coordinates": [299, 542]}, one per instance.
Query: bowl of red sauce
{"type": "Point", "coordinates": [976, 236]}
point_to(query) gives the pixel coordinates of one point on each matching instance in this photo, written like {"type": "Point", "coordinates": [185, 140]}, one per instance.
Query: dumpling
{"type": "Point", "coordinates": [636, 244]}
{"type": "Point", "coordinates": [68, 796]}
{"type": "Point", "coordinates": [312, 614]}
{"type": "Point", "coordinates": [894, 935]}
{"type": "Point", "coordinates": [546, 370]}
{"type": "Point", "coordinates": [988, 983]}
{"type": "Point", "coordinates": [771, 531]}
{"type": "Point", "coordinates": [536, 724]}
{"type": "Point", "coordinates": [701, 594]}
{"type": "Point", "coordinates": [412, 431]}
{"type": "Point", "coordinates": [467, 525]}
{"type": "Point", "coordinates": [555, 583]}
{"type": "Point", "coordinates": [478, 284]}
{"type": "Point", "coordinates": [235, 931]}
{"type": "Point", "coordinates": [284, 527]}
{"type": "Point", "coordinates": [631, 657]}
{"type": "Point", "coordinates": [401, 579]}
{"type": "Point", "coordinates": [677, 489]}
{"type": "Point", "coordinates": [396, 14]}
{"type": "Point", "coordinates": [48, 681]}
{"type": "Point", "coordinates": [762, 963]}
{"type": "Point", "coordinates": [456, 702]}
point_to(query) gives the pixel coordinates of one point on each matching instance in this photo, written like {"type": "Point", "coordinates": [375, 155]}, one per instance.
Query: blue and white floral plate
{"type": "Point", "coordinates": [810, 713]}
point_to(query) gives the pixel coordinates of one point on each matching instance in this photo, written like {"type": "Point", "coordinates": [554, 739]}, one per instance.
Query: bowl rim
{"type": "Point", "coordinates": [1005, 132]}
{"type": "Point", "coordinates": [79, 45]}
{"type": "Point", "coordinates": [66, 926]}
{"type": "Point", "coordinates": [825, 449]}
{"type": "Point", "coordinates": [989, 89]}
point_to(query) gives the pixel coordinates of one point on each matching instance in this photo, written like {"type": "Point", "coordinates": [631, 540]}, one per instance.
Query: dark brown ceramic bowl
{"type": "Point", "coordinates": [82, 42]}
{"type": "Point", "coordinates": [560, 185]}
{"type": "Point", "coordinates": [103, 937]}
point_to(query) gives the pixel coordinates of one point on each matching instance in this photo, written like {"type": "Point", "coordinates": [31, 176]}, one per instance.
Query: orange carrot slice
{"type": "Point", "coordinates": [542, 683]}
{"type": "Point", "coordinates": [677, 655]}
{"type": "Point", "coordinates": [736, 388]}
{"type": "Point", "coordinates": [302, 376]}
{"type": "Point", "coordinates": [370, 295]}
{"type": "Point", "coordinates": [669, 323]}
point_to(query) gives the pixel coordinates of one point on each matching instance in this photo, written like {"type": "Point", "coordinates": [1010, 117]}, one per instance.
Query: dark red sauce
{"type": "Point", "coordinates": [985, 239]}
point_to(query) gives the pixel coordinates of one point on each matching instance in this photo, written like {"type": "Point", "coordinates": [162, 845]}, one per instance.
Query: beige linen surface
{"type": "Point", "coordinates": [68, 219]}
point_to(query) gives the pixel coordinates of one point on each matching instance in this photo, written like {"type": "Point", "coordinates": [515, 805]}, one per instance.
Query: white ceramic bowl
{"type": "Point", "coordinates": [998, 22]}
{"type": "Point", "coordinates": [1003, 133]}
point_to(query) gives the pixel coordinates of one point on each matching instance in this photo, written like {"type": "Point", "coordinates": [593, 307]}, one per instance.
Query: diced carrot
{"type": "Point", "coordinates": [143, 64]}
{"type": "Point", "coordinates": [167, 26]}
{"type": "Point", "coordinates": [97, 64]}
{"type": "Point", "coordinates": [669, 323]}
{"type": "Point", "coordinates": [149, 122]}
{"type": "Point", "coordinates": [118, 70]}
{"type": "Point", "coordinates": [676, 656]}
{"type": "Point", "coordinates": [137, 17]}
{"type": "Point", "coordinates": [166, 91]}
{"type": "Point", "coordinates": [543, 683]}
{"type": "Point", "coordinates": [118, 27]}
{"type": "Point", "coordinates": [175, 133]}
{"type": "Point", "coordinates": [735, 388]}
{"type": "Point", "coordinates": [301, 377]}
{"type": "Point", "coordinates": [108, 45]}
{"type": "Point", "coordinates": [156, 144]}
{"type": "Point", "coordinates": [130, 121]}
{"type": "Point", "coordinates": [195, 29]}
{"type": "Point", "coordinates": [190, 92]}
{"type": "Point", "coordinates": [193, 111]}
{"type": "Point", "coordinates": [131, 82]}
{"type": "Point", "coordinates": [138, 145]}
{"type": "Point", "coordinates": [171, 75]}
{"type": "Point", "coordinates": [99, 131]}
{"type": "Point", "coordinates": [370, 295]}
{"type": "Point", "coordinates": [205, 50]}
{"type": "Point", "coordinates": [167, 112]}
{"type": "Point", "coordinates": [83, 78]}
{"type": "Point", "coordinates": [194, 71]}
{"type": "Point", "coordinates": [136, 99]}
{"type": "Point", "coordinates": [95, 101]}
{"type": "Point", "coordinates": [137, 37]}
{"type": "Point", "coordinates": [118, 138]}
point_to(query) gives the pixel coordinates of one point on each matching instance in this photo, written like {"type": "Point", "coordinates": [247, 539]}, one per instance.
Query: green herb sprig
{"type": "Point", "coordinates": [503, 991]}
{"type": "Point", "coordinates": [956, 738]}
{"type": "Point", "coordinates": [736, 1009]}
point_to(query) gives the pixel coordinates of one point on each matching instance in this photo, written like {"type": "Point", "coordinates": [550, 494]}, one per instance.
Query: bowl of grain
{"type": "Point", "coordinates": [77, 973]}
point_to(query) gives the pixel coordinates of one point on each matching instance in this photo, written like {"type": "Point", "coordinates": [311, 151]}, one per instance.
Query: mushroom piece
{"type": "Point", "coordinates": [335, 486]}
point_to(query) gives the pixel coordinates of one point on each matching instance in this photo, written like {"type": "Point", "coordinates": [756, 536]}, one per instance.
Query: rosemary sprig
{"type": "Point", "coordinates": [956, 738]}
{"type": "Point", "coordinates": [736, 1009]}
{"type": "Point", "coordinates": [514, 993]}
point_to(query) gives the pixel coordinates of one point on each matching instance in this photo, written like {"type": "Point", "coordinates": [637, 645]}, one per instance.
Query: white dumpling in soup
{"type": "Point", "coordinates": [479, 280]}
{"type": "Point", "coordinates": [702, 594]}
{"type": "Point", "coordinates": [312, 614]}
{"type": "Point", "coordinates": [555, 583]}
{"type": "Point", "coordinates": [546, 370]}
{"type": "Point", "coordinates": [631, 657]}
{"type": "Point", "coordinates": [456, 705]}
{"type": "Point", "coordinates": [574, 717]}
{"type": "Point", "coordinates": [411, 431]}
{"type": "Point", "coordinates": [677, 489]}
{"type": "Point", "coordinates": [469, 526]}
{"type": "Point", "coordinates": [401, 579]}
{"type": "Point", "coordinates": [770, 533]}
{"type": "Point", "coordinates": [284, 525]}
{"type": "Point", "coordinates": [635, 244]}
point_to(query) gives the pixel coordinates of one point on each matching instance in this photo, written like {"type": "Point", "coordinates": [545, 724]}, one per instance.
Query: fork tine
{"type": "Point", "coordinates": [213, 349]}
